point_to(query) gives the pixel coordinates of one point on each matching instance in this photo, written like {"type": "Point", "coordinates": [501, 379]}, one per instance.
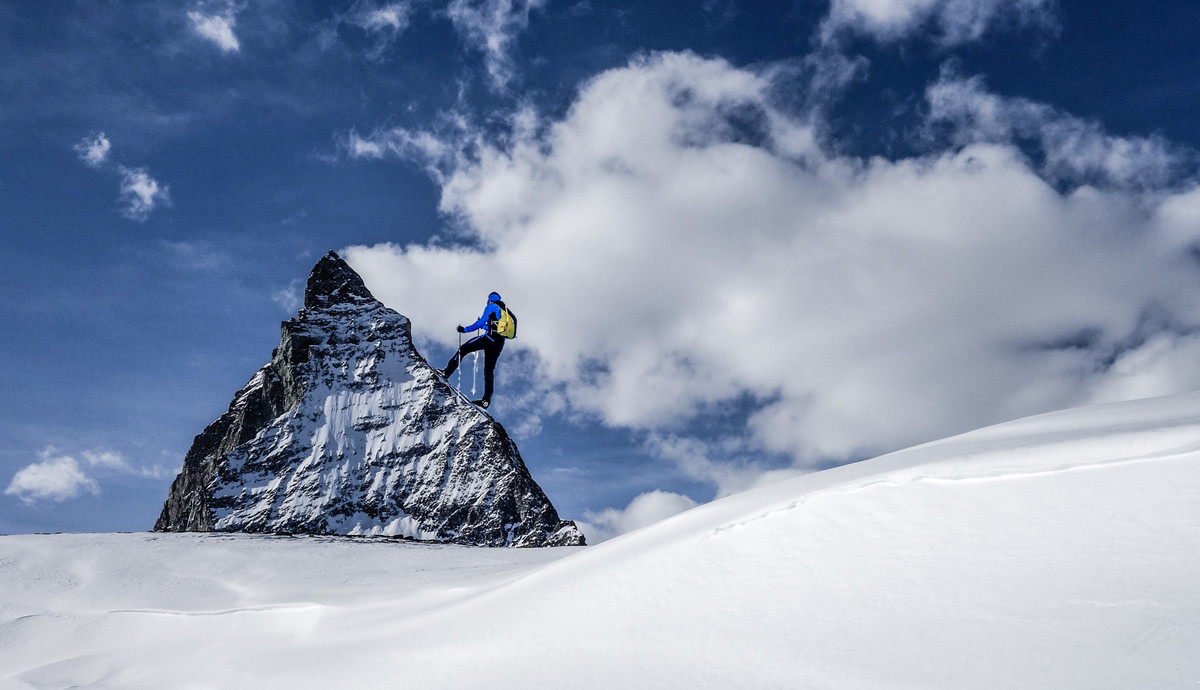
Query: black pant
{"type": "Point", "coordinates": [491, 346]}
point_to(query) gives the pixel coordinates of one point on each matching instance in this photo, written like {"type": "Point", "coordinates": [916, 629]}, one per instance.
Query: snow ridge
{"type": "Point", "coordinates": [348, 430]}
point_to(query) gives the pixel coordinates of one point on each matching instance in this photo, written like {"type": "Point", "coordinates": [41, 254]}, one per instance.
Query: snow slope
{"type": "Point", "coordinates": [1058, 551]}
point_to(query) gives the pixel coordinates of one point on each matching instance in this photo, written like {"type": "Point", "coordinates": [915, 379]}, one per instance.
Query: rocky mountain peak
{"type": "Point", "coordinates": [348, 430]}
{"type": "Point", "coordinates": [332, 281]}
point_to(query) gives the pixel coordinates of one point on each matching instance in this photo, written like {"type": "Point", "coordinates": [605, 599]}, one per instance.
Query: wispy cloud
{"type": "Point", "coordinates": [393, 17]}
{"type": "Point", "coordinates": [94, 149]}
{"type": "Point", "coordinates": [141, 194]}
{"type": "Point", "coordinates": [405, 143]}
{"type": "Point", "coordinates": [492, 27]}
{"type": "Point", "coordinates": [217, 28]}
{"type": "Point", "coordinates": [382, 23]}
{"type": "Point", "coordinates": [1071, 148]}
{"type": "Point", "coordinates": [291, 298]}
{"type": "Point", "coordinates": [955, 21]}
{"type": "Point", "coordinates": [487, 28]}
{"type": "Point", "coordinates": [195, 255]}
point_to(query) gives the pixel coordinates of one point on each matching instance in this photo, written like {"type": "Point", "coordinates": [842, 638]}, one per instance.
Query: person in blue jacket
{"type": "Point", "coordinates": [490, 342]}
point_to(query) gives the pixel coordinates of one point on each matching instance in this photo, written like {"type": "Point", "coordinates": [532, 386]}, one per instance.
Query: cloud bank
{"type": "Point", "coordinates": [680, 243]}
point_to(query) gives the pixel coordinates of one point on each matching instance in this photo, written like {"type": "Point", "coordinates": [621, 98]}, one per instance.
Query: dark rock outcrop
{"type": "Point", "coordinates": [347, 430]}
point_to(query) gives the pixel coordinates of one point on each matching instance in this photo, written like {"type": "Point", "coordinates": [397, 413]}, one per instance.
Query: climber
{"type": "Point", "coordinates": [501, 325]}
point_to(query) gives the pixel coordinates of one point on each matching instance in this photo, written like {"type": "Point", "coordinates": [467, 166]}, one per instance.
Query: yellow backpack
{"type": "Point", "coordinates": [506, 325]}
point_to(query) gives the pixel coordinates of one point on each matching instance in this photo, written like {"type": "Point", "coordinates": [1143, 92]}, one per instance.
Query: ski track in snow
{"type": "Point", "coordinates": [991, 475]}
{"type": "Point", "coordinates": [277, 608]}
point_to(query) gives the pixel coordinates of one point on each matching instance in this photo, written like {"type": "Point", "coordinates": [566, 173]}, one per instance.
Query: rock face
{"type": "Point", "coordinates": [349, 431]}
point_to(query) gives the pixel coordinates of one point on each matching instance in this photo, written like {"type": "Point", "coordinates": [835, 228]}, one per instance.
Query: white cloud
{"type": "Point", "coordinates": [643, 510]}
{"type": "Point", "coordinates": [491, 27]}
{"type": "Point", "coordinates": [94, 150]}
{"type": "Point", "coordinates": [358, 147]}
{"type": "Point", "coordinates": [678, 241]}
{"type": "Point", "coordinates": [194, 255]}
{"type": "Point", "coordinates": [55, 477]}
{"type": "Point", "coordinates": [291, 298]}
{"type": "Point", "coordinates": [1073, 149]}
{"type": "Point", "coordinates": [141, 194]}
{"type": "Point", "coordinates": [59, 477]}
{"type": "Point", "coordinates": [393, 17]}
{"type": "Point", "coordinates": [1166, 362]}
{"type": "Point", "coordinates": [217, 28]}
{"type": "Point", "coordinates": [956, 21]}
{"type": "Point", "coordinates": [106, 459]}
{"type": "Point", "coordinates": [397, 142]}
{"type": "Point", "coordinates": [383, 23]}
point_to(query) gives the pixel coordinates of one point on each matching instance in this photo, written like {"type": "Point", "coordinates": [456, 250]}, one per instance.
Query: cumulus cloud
{"type": "Point", "coordinates": [491, 27]}
{"type": "Point", "coordinates": [55, 477]}
{"type": "Point", "coordinates": [643, 510]}
{"type": "Point", "coordinates": [679, 241]}
{"type": "Point", "coordinates": [216, 28]}
{"type": "Point", "coordinates": [955, 21]}
{"type": "Point", "coordinates": [94, 150]}
{"type": "Point", "coordinates": [141, 194]}
{"type": "Point", "coordinates": [60, 477]}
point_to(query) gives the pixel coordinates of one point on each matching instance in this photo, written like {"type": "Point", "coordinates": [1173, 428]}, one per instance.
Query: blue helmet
{"type": "Point", "coordinates": [494, 297]}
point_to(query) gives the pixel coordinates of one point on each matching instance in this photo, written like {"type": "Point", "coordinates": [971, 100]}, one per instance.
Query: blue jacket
{"type": "Point", "coordinates": [491, 312]}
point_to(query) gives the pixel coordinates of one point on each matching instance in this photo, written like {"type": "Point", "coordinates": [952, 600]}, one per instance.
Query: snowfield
{"type": "Point", "coordinates": [1059, 551]}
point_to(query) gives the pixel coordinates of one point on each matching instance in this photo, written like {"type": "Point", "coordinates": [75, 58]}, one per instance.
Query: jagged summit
{"type": "Point", "coordinates": [347, 430]}
{"type": "Point", "coordinates": [332, 281]}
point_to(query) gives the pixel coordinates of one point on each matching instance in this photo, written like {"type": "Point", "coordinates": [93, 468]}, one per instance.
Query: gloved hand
{"type": "Point", "coordinates": [461, 329]}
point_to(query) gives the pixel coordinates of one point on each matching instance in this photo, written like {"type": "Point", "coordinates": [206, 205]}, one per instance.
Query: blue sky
{"type": "Point", "coordinates": [745, 239]}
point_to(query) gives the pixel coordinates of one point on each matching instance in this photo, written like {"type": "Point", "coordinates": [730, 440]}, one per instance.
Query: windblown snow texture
{"type": "Point", "coordinates": [349, 431]}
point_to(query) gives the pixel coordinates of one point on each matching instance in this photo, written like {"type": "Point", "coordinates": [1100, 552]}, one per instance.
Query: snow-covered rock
{"type": "Point", "coordinates": [349, 431]}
